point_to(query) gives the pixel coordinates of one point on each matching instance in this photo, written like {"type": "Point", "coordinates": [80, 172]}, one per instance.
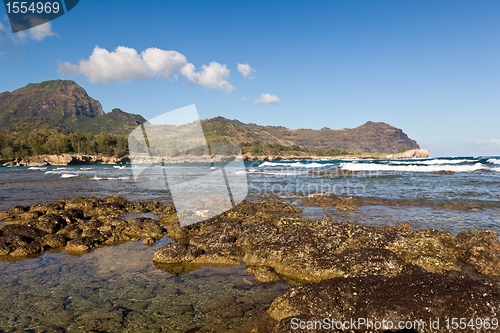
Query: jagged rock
{"type": "Point", "coordinates": [413, 295]}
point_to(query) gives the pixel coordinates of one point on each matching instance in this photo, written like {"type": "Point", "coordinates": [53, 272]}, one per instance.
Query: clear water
{"type": "Point", "coordinates": [119, 288]}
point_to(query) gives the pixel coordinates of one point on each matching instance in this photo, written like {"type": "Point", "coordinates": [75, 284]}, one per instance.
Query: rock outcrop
{"type": "Point", "coordinates": [415, 300]}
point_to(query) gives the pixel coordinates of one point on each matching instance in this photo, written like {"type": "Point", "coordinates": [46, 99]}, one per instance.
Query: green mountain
{"type": "Point", "coordinates": [62, 106]}
{"type": "Point", "coordinates": [370, 137]}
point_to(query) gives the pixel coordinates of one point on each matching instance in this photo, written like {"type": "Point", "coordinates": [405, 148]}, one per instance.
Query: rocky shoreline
{"type": "Point", "coordinates": [68, 159]}
{"type": "Point", "coordinates": [61, 160]}
{"type": "Point", "coordinates": [339, 270]}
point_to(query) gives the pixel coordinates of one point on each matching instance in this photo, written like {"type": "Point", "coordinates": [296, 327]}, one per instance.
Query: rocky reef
{"type": "Point", "coordinates": [413, 301]}
{"type": "Point", "coordinates": [340, 270]}
{"type": "Point", "coordinates": [77, 225]}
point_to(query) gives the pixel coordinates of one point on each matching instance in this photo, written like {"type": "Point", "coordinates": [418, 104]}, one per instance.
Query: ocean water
{"type": "Point", "coordinates": [118, 288]}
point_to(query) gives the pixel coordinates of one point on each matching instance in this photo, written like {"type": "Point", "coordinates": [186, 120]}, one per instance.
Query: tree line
{"type": "Point", "coordinates": [22, 144]}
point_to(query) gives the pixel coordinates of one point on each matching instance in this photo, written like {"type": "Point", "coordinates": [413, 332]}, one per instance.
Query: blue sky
{"type": "Point", "coordinates": [429, 68]}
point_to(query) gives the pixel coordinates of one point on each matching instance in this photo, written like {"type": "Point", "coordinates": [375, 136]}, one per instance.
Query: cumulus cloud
{"type": "Point", "coordinates": [246, 70]}
{"type": "Point", "coordinates": [267, 99]}
{"type": "Point", "coordinates": [124, 64]}
{"type": "Point", "coordinates": [163, 63]}
{"type": "Point", "coordinates": [214, 75]}
{"type": "Point", "coordinates": [243, 99]}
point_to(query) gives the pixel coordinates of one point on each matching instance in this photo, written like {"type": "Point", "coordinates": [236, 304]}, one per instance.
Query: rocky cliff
{"type": "Point", "coordinates": [55, 100]}
{"type": "Point", "coordinates": [61, 106]}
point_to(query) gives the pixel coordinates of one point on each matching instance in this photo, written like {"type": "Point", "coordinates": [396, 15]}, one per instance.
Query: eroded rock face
{"type": "Point", "coordinates": [413, 295]}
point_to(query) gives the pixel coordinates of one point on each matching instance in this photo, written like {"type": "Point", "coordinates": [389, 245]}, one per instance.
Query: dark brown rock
{"type": "Point", "coordinates": [51, 223]}
{"type": "Point", "coordinates": [143, 227]}
{"type": "Point", "coordinates": [413, 295]}
{"type": "Point", "coordinates": [255, 234]}
{"type": "Point", "coordinates": [28, 249]}
{"type": "Point", "coordinates": [18, 209]}
{"type": "Point", "coordinates": [72, 215]}
{"type": "Point", "coordinates": [11, 242]}
{"type": "Point", "coordinates": [85, 204]}
{"type": "Point", "coordinates": [480, 249]}
{"type": "Point", "coordinates": [80, 244]}
{"type": "Point", "coordinates": [96, 236]}
{"type": "Point", "coordinates": [54, 241]}
{"type": "Point", "coordinates": [23, 230]}
{"type": "Point", "coordinates": [443, 172]}
{"type": "Point", "coordinates": [71, 231]}
{"type": "Point", "coordinates": [176, 252]}
{"type": "Point", "coordinates": [221, 241]}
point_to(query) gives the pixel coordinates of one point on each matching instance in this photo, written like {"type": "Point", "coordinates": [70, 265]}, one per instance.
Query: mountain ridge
{"type": "Point", "coordinates": [64, 106]}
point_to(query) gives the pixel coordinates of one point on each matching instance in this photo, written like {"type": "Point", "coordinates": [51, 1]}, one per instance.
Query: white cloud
{"type": "Point", "coordinates": [267, 99]}
{"type": "Point", "coordinates": [125, 64]}
{"type": "Point", "coordinates": [214, 75]}
{"type": "Point", "coordinates": [491, 144]}
{"type": "Point", "coordinates": [37, 34]}
{"type": "Point", "coordinates": [243, 99]}
{"type": "Point", "coordinates": [163, 63]}
{"type": "Point", "coordinates": [246, 70]}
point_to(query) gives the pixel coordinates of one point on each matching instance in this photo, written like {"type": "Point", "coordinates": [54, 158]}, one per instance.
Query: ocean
{"type": "Point", "coordinates": [117, 288]}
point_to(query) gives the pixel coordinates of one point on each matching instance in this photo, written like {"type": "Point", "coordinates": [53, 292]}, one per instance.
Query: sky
{"type": "Point", "coordinates": [431, 68]}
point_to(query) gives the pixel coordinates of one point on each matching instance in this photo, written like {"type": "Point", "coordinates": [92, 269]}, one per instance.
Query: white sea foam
{"type": "Point", "coordinates": [85, 168]}
{"type": "Point", "coordinates": [293, 165]}
{"type": "Point", "coordinates": [37, 168]}
{"type": "Point", "coordinates": [433, 162]}
{"type": "Point", "coordinates": [68, 175]}
{"type": "Point", "coordinates": [412, 168]}
{"type": "Point", "coordinates": [493, 161]}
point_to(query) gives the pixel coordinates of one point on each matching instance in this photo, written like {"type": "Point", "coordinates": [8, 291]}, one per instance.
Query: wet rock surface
{"type": "Point", "coordinates": [412, 296]}
{"type": "Point", "coordinates": [77, 225]}
{"type": "Point", "coordinates": [276, 242]}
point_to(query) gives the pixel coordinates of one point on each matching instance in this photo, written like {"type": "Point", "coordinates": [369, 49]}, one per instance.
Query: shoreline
{"type": "Point", "coordinates": [74, 159]}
